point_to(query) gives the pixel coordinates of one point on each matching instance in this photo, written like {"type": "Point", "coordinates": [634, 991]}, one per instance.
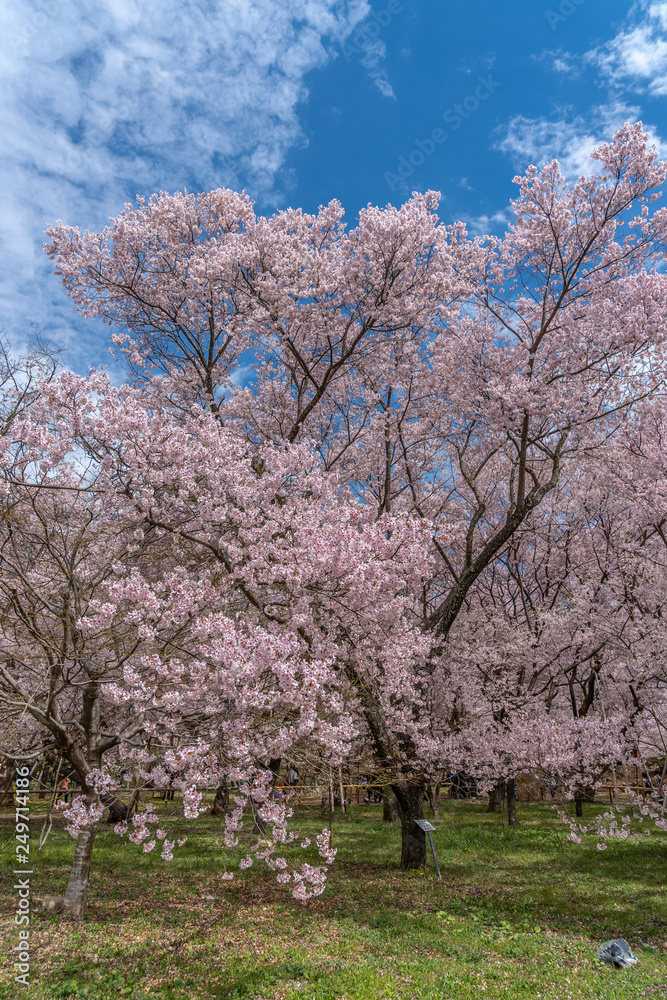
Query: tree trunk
{"type": "Point", "coordinates": [410, 800]}
{"type": "Point", "coordinates": [259, 826]}
{"type": "Point", "coordinates": [6, 790]}
{"type": "Point", "coordinates": [579, 804]}
{"type": "Point", "coordinates": [436, 800]}
{"type": "Point", "coordinates": [77, 887]}
{"type": "Point", "coordinates": [341, 790]}
{"type": "Point", "coordinates": [510, 792]}
{"type": "Point", "coordinates": [497, 798]}
{"type": "Point", "coordinates": [389, 806]}
{"type": "Point", "coordinates": [433, 798]}
{"type": "Point", "coordinates": [118, 811]}
{"type": "Point", "coordinates": [221, 800]}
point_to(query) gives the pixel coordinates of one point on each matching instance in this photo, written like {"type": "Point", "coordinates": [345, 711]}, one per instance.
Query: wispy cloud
{"type": "Point", "coordinates": [568, 139]}
{"type": "Point", "coordinates": [373, 62]}
{"type": "Point", "coordinates": [638, 53]}
{"type": "Point", "coordinates": [483, 225]}
{"type": "Point", "coordinates": [101, 100]}
{"type": "Point", "coordinates": [563, 64]}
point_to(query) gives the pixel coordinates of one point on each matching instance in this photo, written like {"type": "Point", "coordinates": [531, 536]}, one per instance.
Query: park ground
{"type": "Point", "coordinates": [518, 913]}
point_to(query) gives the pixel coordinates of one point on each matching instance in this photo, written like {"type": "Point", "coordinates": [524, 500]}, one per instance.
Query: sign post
{"type": "Point", "coordinates": [424, 825]}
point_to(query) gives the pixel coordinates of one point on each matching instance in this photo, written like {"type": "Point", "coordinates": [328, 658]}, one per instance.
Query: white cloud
{"type": "Point", "coordinates": [559, 61]}
{"type": "Point", "coordinates": [101, 100]}
{"type": "Point", "coordinates": [568, 140]}
{"type": "Point", "coordinates": [373, 63]}
{"type": "Point", "coordinates": [564, 64]}
{"type": "Point", "coordinates": [366, 45]}
{"type": "Point", "coordinates": [483, 225]}
{"type": "Point", "coordinates": [638, 53]}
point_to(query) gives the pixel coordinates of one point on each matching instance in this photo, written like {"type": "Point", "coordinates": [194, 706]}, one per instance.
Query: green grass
{"type": "Point", "coordinates": [519, 913]}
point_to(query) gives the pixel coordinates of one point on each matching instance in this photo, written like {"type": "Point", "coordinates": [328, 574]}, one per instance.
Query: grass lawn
{"type": "Point", "coordinates": [518, 913]}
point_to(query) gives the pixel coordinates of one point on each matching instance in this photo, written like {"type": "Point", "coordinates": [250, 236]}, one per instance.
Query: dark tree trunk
{"type": "Point", "coordinates": [221, 800]}
{"type": "Point", "coordinates": [463, 786]}
{"type": "Point", "coordinates": [510, 792]}
{"type": "Point", "coordinates": [579, 804]}
{"type": "Point", "coordinates": [77, 887]}
{"type": "Point", "coordinates": [118, 811]}
{"type": "Point", "coordinates": [410, 800]}
{"type": "Point", "coordinates": [6, 790]}
{"type": "Point", "coordinates": [497, 798]}
{"type": "Point", "coordinates": [389, 806]}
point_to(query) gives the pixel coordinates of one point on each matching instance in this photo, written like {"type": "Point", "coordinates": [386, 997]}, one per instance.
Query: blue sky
{"type": "Point", "coordinates": [297, 102]}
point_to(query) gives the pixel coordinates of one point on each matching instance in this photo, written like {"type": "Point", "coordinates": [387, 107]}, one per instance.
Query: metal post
{"type": "Point", "coordinates": [424, 825]}
{"type": "Point", "coordinates": [330, 809]}
{"type": "Point", "coordinates": [435, 860]}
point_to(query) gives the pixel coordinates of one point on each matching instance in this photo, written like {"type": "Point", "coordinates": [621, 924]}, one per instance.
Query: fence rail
{"type": "Point", "coordinates": [317, 791]}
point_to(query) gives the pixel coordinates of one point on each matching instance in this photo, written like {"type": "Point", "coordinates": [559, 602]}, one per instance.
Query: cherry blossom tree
{"type": "Point", "coordinates": [60, 554]}
{"type": "Point", "coordinates": [450, 379]}
{"type": "Point", "coordinates": [158, 577]}
{"type": "Point", "coordinates": [568, 625]}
